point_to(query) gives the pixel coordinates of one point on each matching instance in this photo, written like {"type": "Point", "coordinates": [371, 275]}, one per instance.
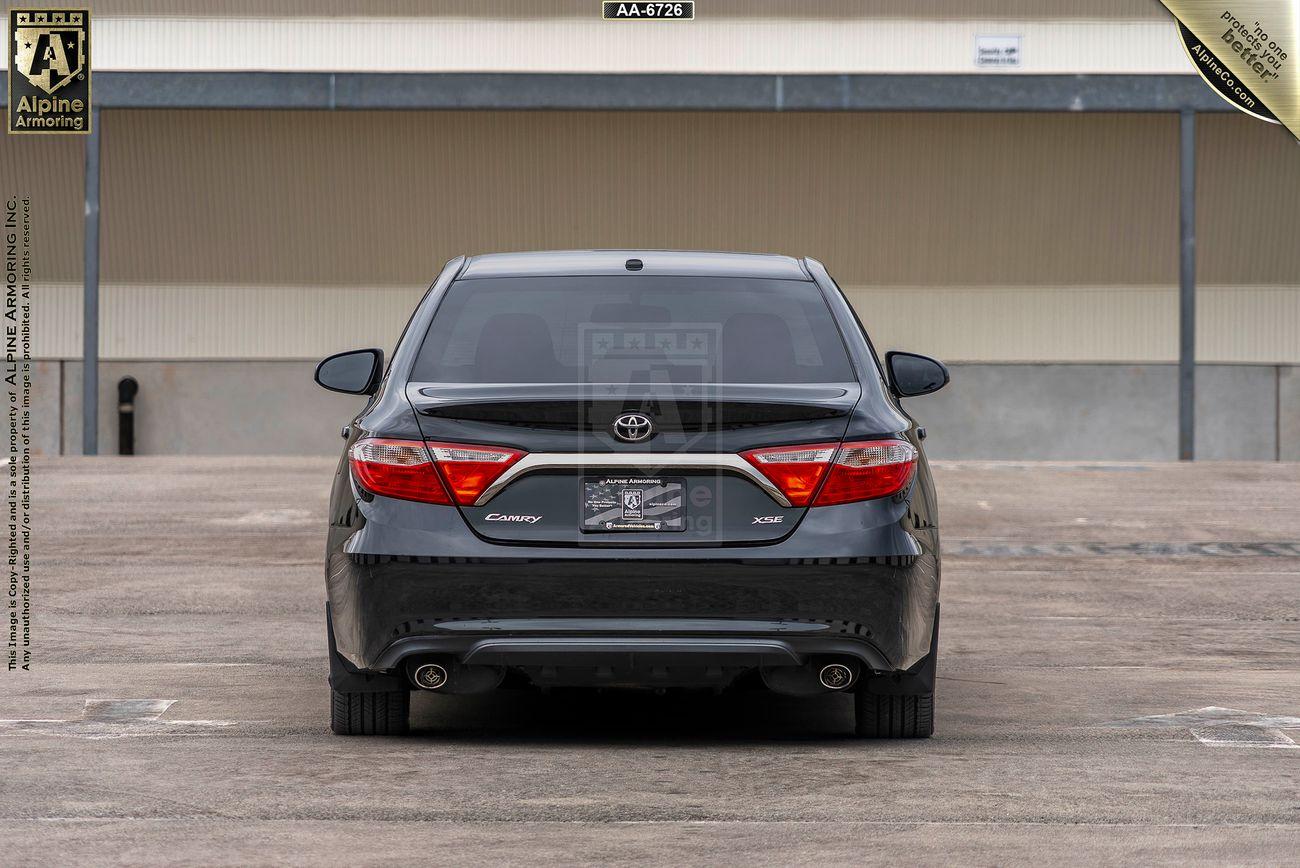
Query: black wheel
{"type": "Point", "coordinates": [382, 713]}
{"type": "Point", "coordinates": [893, 716]}
{"type": "Point", "coordinates": [901, 706]}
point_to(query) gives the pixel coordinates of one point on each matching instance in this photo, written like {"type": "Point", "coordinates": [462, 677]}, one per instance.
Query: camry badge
{"type": "Point", "coordinates": [521, 519]}
{"type": "Point", "coordinates": [633, 428]}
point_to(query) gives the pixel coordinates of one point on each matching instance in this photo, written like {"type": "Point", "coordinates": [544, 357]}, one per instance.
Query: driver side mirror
{"type": "Point", "coordinates": [356, 372]}
{"type": "Point", "coordinates": [911, 374]}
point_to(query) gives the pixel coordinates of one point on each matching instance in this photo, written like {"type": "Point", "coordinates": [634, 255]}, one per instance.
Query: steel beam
{"type": "Point", "coordinates": [1187, 285]}
{"type": "Point", "coordinates": [90, 297]}
{"type": "Point", "coordinates": [653, 92]}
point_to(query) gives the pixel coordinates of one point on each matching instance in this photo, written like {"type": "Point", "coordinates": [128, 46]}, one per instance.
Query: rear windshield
{"type": "Point", "coordinates": [632, 329]}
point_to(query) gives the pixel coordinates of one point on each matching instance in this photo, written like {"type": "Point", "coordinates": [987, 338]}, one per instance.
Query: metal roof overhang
{"type": "Point", "coordinates": [656, 92]}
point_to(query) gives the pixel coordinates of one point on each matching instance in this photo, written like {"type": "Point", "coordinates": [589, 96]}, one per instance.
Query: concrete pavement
{"type": "Point", "coordinates": [1082, 603]}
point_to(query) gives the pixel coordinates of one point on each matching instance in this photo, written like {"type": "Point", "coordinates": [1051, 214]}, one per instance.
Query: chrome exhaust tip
{"type": "Point", "coordinates": [429, 676]}
{"type": "Point", "coordinates": [835, 676]}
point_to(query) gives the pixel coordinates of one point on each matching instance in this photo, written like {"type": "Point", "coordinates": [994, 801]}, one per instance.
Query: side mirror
{"type": "Point", "coordinates": [911, 374]}
{"type": "Point", "coordinates": [356, 372]}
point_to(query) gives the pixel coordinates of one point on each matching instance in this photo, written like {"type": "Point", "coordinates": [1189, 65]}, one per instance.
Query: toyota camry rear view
{"type": "Point", "coordinates": [633, 469]}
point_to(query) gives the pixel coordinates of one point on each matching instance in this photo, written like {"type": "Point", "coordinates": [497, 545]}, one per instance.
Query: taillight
{"type": "Point", "coordinates": [469, 470]}
{"type": "Point", "coordinates": [845, 473]}
{"type": "Point", "coordinates": [405, 469]}
{"type": "Point", "coordinates": [795, 470]}
{"type": "Point", "coordinates": [867, 470]}
{"type": "Point", "coordinates": [397, 468]}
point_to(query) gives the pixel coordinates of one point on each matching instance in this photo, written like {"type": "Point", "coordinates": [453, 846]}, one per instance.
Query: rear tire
{"type": "Point", "coordinates": [382, 713]}
{"type": "Point", "coordinates": [901, 706]}
{"type": "Point", "coordinates": [893, 716]}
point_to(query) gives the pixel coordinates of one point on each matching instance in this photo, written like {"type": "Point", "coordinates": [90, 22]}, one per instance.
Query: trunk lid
{"type": "Point", "coordinates": [580, 485]}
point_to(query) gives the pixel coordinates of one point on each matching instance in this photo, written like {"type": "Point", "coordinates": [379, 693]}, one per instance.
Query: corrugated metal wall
{"type": "Point", "coordinates": [981, 237]}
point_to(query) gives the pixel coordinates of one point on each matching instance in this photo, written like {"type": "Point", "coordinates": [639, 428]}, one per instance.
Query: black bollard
{"type": "Point", "coordinates": [127, 387]}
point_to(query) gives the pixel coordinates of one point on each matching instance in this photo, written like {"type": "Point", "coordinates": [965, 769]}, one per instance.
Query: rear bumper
{"type": "Point", "coordinates": [533, 611]}
{"type": "Point", "coordinates": [857, 580]}
{"type": "Point", "coordinates": [602, 643]}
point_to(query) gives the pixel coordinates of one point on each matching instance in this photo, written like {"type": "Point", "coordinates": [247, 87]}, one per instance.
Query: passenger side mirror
{"type": "Point", "coordinates": [911, 374]}
{"type": "Point", "coordinates": [356, 372]}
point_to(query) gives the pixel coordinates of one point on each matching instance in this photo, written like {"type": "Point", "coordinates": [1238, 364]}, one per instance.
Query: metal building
{"type": "Point", "coordinates": [279, 181]}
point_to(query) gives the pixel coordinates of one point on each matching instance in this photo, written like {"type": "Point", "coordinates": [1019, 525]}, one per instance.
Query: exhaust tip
{"type": "Point", "coordinates": [429, 676]}
{"type": "Point", "coordinates": [835, 676]}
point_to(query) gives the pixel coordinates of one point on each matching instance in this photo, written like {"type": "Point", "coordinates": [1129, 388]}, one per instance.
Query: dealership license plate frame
{"type": "Point", "coordinates": [606, 510]}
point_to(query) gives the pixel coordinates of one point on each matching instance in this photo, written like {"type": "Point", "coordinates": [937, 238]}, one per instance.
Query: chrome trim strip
{"type": "Point", "coordinates": [648, 462]}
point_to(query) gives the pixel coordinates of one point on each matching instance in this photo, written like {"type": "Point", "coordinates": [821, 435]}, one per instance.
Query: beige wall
{"type": "Point", "coordinates": [727, 36]}
{"type": "Point", "coordinates": [982, 237]}
{"type": "Point", "coordinates": [711, 44]}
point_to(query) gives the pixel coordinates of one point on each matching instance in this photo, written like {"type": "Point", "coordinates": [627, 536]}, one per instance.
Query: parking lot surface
{"type": "Point", "coordinates": [1119, 681]}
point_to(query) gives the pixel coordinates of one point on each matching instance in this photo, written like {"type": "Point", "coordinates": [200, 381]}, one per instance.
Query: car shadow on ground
{"type": "Point", "coordinates": [612, 717]}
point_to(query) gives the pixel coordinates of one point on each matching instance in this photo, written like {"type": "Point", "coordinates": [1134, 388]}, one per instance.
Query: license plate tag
{"type": "Point", "coordinates": [633, 503]}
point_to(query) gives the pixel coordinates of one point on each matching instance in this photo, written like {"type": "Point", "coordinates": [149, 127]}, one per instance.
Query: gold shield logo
{"type": "Point", "coordinates": [49, 71]}
{"type": "Point", "coordinates": [50, 47]}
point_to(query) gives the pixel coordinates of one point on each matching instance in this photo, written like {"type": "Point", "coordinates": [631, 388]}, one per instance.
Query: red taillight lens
{"type": "Point", "coordinates": [795, 470]}
{"type": "Point", "coordinates": [397, 468]}
{"type": "Point", "coordinates": [856, 471]}
{"type": "Point", "coordinates": [867, 470]}
{"type": "Point", "coordinates": [469, 469]}
{"type": "Point", "coordinates": [405, 469]}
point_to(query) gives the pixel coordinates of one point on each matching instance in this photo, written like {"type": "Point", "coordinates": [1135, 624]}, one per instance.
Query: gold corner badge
{"type": "Point", "coordinates": [1245, 50]}
{"type": "Point", "coordinates": [49, 71]}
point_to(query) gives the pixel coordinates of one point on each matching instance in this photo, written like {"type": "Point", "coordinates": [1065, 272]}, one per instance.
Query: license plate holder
{"type": "Point", "coordinates": [632, 504]}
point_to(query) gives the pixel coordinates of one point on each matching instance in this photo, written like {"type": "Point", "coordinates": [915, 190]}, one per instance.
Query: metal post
{"type": "Point", "coordinates": [90, 298]}
{"type": "Point", "coordinates": [1187, 285]}
{"type": "Point", "coordinates": [127, 388]}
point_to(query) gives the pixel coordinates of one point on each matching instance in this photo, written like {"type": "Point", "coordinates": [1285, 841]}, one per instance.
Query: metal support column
{"type": "Point", "coordinates": [90, 298]}
{"type": "Point", "coordinates": [1187, 285]}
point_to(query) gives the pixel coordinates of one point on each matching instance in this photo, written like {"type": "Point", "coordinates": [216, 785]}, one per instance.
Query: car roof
{"type": "Point", "coordinates": [684, 263]}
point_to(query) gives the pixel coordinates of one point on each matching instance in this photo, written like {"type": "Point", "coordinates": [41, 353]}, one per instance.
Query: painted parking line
{"type": "Point", "coordinates": [1224, 727]}
{"type": "Point", "coordinates": [987, 549]}
{"type": "Point", "coordinates": [115, 718]}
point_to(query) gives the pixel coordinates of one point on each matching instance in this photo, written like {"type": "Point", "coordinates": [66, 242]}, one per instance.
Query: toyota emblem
{"type": "Point", "coordinates": [633, 428]}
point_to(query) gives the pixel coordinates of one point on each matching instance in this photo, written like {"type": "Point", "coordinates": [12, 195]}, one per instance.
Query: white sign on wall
{"type": "Point", "coordinates": [997, 50]}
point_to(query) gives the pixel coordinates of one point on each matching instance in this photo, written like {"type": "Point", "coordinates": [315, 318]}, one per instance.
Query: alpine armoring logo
{"type": "Point", "coordinates": [49, 71]}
